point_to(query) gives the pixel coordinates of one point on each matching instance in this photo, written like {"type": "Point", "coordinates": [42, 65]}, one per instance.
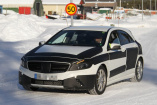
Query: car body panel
{"type": "Point", "coordinates": [74, 50]}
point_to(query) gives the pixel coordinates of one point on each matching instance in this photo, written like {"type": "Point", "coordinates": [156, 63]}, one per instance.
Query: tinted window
{"type": "Point", "coordinates": [128, 36]}
{"type": "Point", "coordinates": [123, 37]}
{"type": "Point", "coordinates": [131, 40]}
{"type": "Point", "coordinates": [114, 38]}
{"type": "Point", "coordinates": [78, 38]}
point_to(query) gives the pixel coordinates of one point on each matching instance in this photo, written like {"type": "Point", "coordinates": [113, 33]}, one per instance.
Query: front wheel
{"type": "Point", "coordinates": [138, 72]}
{"type": "Point", "coordinates": [100, 82]}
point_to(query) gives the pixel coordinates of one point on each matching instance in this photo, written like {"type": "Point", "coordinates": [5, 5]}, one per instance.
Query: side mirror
{"type": "Point", "coordinates": [41, 43]}
{"type": "Point", "coordinates": [114, 46]}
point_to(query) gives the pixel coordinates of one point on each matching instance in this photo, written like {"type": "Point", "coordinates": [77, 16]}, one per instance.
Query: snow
{"type": "Point", "coordinates": [27, 28]}
{"type": "Point", "coordinates": [94, 16]}
{"type": "Point", "coordinates": [43, 1]}
{"type": "Point", "coordinates": [21, 33]}
{"type": "Point", "coordinates": [105, 9]}
{"type": "Point", "coordinates": [60, 1]}
{"type": "Point", "coordinates": [119, 11]}
{"type": "Point", "coordinates": [16, 1]}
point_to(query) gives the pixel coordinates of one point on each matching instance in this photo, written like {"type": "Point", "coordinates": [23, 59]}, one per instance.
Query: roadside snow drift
{"type": "Point", "coordinates": [19, 27]}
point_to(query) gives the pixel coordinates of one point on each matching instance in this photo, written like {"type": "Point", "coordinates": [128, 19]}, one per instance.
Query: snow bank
{"type": "Point", "coordinates": [17, 27]}
{"type": "Point", "coordinates": [16, 2]}
{"type": "Point", "coordinates": [105, 9]}
{"type": "Point", "coordinates": [9, 12]}
{"type": "Point", "coordinates": [94, 16]}
{"type": "Point", "coordinates": [119, 11]}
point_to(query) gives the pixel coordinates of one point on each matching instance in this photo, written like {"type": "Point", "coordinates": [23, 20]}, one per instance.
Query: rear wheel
{"type": "Point", "coordinates": [100, 82]}
{"type": "Point", "coordinates": [30, 88]}
{"type": "Point", "coordinates": [138, 72]}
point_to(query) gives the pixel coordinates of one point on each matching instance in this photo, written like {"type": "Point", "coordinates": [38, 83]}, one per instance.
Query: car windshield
{"type": "Point", "coordinates": [78, 38]}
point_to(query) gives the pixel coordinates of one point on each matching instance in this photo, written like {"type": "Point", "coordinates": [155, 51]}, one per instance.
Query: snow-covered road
{"type": "Point", "coordinates": [122, 93]}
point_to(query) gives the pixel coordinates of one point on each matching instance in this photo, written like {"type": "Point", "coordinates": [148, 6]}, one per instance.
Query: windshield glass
{"type": "Point", "coordinates": [78, 38]}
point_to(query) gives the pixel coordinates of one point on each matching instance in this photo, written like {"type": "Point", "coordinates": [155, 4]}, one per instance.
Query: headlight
{"type": "Point", "coordinates": [23, 62]}
{"type": "Point", "coordinates": [80, 65]}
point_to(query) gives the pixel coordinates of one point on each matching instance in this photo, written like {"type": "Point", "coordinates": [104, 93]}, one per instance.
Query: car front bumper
{"type": "Point", "coordinates": [74, 80]}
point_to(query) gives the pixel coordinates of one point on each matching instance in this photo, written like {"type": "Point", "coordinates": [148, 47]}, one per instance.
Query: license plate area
{"type": "Point", "coordinates": [45, 77]}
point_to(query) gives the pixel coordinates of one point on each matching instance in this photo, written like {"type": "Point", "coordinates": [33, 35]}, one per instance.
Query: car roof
{"type": "Point", "coordinates": [89, 28]}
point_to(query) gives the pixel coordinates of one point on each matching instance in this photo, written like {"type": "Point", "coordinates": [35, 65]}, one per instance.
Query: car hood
{"type": "Point", "coordinates": [79, 52]}
{"type": "Point", "coordinates": [73, 50]}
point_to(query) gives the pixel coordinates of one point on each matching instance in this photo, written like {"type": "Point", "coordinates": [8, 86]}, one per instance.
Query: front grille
{"type": "Point", "coordinates": [47, 82]}
{"type": "Point", "coordinates": [48, 67]}
{"type": "Point", "coordinates": [34, 66]}
{"type": "Point", "coordinates": [57, 68]}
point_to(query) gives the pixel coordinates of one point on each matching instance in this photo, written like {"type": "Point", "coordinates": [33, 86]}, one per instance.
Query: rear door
{"type": "Point", "coordinates": [128, 44]}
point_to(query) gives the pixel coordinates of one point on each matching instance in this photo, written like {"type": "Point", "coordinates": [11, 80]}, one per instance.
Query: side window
{"type": "Point", "coordinates": [113, 38]}
{"type": "Point", "coordinates": [123, 37]}
{"type": "Point", "coordinates": [128, 36]}
{"type": "Point", "coordinates": [131, 40]}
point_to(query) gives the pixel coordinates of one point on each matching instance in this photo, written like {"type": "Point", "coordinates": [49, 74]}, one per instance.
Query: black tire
{"type": "Point", "coordinates": [96, 90]}
{"type": "Point", "coordinates": [30, 88]}
{"type": "Point", "coordinates": [138, 71]}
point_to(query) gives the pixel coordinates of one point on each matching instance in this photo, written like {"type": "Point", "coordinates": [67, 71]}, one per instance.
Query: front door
{"type": "Point", "coordinates": [117, 62]}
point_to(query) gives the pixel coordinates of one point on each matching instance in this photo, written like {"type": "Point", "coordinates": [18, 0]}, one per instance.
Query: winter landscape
{"type": "Point", "coordinates": [20, 33]}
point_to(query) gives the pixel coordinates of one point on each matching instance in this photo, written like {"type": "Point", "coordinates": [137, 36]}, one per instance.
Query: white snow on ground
{"type": "Point", "coordinates": [94, 16]}
{"type": "Point", "coordinates": [16, 2]}
{"type": "Point", "coordinates": [16, 27]}
{"type": "Point", "coordinates": [21, 33]}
